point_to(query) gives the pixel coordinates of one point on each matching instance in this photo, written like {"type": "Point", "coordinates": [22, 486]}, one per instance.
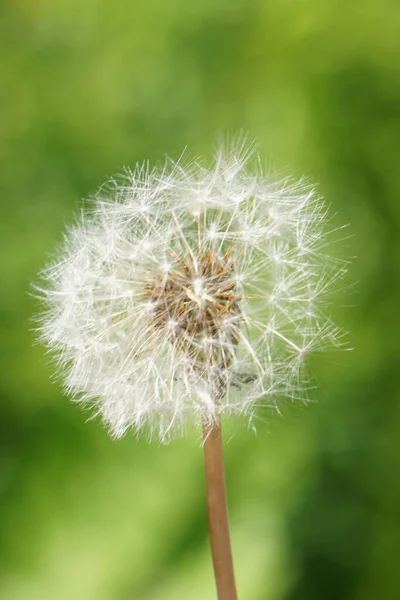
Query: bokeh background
{"type": "Point", "coordinates": [89, 86]}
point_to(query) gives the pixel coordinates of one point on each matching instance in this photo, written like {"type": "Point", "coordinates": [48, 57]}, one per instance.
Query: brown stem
{"type": "Point", "coordinates": [218, 513]}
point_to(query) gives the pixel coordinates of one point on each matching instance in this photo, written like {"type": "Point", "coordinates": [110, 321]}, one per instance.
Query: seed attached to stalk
{"type": "Point", "coordinates": [189, 292]}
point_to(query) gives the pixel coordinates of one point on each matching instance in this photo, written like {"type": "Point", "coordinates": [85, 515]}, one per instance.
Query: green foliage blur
{"type": "Point", "coordinates": [91, 85]}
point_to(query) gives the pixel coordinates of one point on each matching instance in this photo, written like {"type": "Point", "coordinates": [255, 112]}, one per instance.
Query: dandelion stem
{"type": "Point", "coordinates": [218, 513]}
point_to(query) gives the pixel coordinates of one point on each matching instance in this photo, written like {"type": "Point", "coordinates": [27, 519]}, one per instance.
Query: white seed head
{"type": "Point", "coordinates": [187, 291]}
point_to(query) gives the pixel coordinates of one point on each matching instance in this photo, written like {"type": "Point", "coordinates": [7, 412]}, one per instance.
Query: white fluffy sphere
{"type": "Point", "coordinates": [185, 292]}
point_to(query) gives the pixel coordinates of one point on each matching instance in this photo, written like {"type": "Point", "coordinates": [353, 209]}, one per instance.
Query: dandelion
{"type": "Point", "coordinates": [186, 292]}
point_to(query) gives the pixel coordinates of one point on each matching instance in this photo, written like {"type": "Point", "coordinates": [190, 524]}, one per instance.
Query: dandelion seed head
{"type": "Point", "coordinates": [188, 291]}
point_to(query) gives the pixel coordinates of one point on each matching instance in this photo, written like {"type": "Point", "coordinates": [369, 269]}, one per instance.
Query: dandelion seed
{"type": "Point", "coordinates": [187, 292]}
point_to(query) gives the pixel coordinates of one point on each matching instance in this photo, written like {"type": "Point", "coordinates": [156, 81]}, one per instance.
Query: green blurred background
{"type": "Point", "coordinates": [89, 86]}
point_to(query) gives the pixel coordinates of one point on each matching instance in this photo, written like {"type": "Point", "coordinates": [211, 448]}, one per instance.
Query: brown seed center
{"type": "Point", "coordinates": [196, 304]}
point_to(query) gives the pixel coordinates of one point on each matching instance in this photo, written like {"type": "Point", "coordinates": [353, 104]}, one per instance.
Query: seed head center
{"type": "Point", "coordinates": [196, 305]}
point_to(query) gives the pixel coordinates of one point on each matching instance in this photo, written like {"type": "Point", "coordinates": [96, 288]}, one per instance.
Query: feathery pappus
{"type": "Point", "coordinates": [187, 291]}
